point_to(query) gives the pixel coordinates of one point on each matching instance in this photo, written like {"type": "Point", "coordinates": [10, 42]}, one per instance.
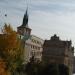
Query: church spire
{"type": "Point", "coordinates": [25, 19]}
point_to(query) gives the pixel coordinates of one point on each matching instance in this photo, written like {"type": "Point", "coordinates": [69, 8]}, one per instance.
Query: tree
{"type": "Point", "coordinates": [10, 48]}
{"type": "Point", "coordinates": [46, 69]}
{"type": "Point", "coordinates": [3, 70]}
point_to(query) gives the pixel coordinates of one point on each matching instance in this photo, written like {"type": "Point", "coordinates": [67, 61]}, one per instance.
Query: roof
{"type": "Point", "coordinates": [25, 20]}
{"type": "Point", "coordinates": [55, 41]}
{"type": "Point", "coordinates": [37, 37]}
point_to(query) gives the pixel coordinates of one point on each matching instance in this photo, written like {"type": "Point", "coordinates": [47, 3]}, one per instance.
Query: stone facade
{"type": "Point", "coordinates": [74, 65]}
{"type": "Point", "coordinates": [58, 51]}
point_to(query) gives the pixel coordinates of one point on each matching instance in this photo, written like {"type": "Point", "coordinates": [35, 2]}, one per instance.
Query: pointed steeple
{"type": "Point", "coordinates": [24, 28]}
{"type": "Point", "coordinates": [25, 19]}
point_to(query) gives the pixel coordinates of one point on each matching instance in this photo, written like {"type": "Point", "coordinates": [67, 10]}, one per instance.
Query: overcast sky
{"type": "Point", "coordinates": [46, 17]}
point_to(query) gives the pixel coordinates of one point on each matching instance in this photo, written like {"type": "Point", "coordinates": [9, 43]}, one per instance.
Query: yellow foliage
{"type": "Point", "coordinates": [10, 46]}
{"type": "Point", "coordinates": [3, 70]}
{"type": "Point", "coordinates": [9, 40]}
{"type": "Point", "coordinates": [9, 37]}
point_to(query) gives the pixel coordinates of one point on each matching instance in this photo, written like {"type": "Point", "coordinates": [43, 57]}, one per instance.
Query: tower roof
{"type": "Point", "coordinates": [25, 19]}
{"type": "Point", "coordinates": [55, 38]}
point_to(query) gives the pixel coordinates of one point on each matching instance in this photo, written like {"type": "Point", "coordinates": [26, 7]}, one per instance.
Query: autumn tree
{"type": "Point", "coordinates": [3, 69]}
{"type": "Point", "coordinates": [10, 48]}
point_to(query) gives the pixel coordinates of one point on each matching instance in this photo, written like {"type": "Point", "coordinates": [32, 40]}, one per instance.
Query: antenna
{"type": "Point", "coordinates": [27, 4]}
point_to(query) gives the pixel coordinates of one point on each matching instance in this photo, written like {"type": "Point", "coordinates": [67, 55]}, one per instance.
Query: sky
{"type": "Point", "coordinates": [46, 17]}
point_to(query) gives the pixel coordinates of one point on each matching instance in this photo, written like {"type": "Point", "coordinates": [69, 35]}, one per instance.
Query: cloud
{"type": "Point", "coordinates": [46, 17]}
{"type": "Point", "coordinates": [68, 1]}
{"type": "Point", "coordinates": [45, 24]}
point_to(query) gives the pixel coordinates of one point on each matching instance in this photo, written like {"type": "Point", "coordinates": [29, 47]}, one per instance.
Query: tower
{"type": "Point", "coordinates": [24, 33]}
{"type": "Point", "coordinates": [24, 29]}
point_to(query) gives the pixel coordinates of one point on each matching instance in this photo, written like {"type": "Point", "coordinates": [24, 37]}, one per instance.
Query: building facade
{"type": "Point", "coordinates": [34, 48]}
{"type": "Point", "coordinates": [74, 65]}
{"type": "Point", "coordinates": [58, 51]}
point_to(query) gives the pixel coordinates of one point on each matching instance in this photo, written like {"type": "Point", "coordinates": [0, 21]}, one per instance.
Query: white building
{"type": "Point", "coordinates": [34, 48]}
{"type": "Point", "coordinates": [32, 44]}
